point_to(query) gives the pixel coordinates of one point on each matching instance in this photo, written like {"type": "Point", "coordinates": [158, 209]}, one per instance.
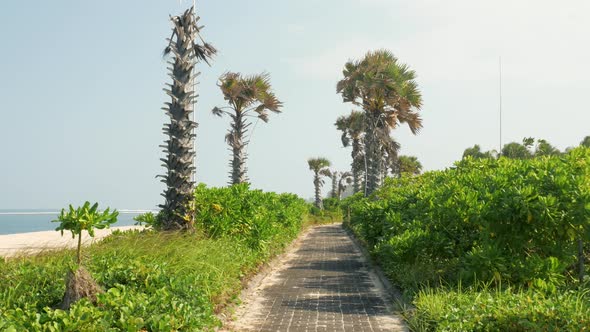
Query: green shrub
{"type": "Point", "coordinates": [511, 220]}
{"type": "Point", "coordinates": [253, 215]}
{"type": "Point", "coordinates": [325, 216]}
{"type": "Point", "coordinates": [331, 204]}
{"type": "Point", "coordinates": [84, 218]}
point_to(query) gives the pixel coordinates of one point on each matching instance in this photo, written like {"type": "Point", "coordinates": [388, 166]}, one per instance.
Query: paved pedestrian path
{"type": "Point", "coordinates": [324, 284]}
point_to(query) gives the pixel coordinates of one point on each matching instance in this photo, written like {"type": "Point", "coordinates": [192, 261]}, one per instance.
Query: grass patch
{"type": "Point", "coordinates": [324, 217]}
{"type": "Point", "coordinates": [473, 309]}
{"type": "Point", "coordinates": [153, 281]}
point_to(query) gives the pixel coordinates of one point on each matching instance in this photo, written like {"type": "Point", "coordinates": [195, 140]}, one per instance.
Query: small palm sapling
{"type": "Point", "coordinates": [79, 283]}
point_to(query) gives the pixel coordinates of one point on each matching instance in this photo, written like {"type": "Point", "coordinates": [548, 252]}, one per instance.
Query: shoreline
{"type": "Point", "coordinates": [33, 242]}
{"type": "Point", "coordinates": [56, 212]}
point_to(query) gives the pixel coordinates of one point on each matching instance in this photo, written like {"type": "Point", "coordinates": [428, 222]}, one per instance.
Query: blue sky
{"type": "Point", "coordinates": [81, 86]}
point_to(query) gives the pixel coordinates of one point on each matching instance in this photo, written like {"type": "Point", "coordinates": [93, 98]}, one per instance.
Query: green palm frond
{"type": "Point", "coordinates": [316, 164]}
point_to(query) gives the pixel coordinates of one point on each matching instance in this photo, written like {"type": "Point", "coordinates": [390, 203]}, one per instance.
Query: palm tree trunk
{"type": "Point", "coordinates": [180, 144]}
{"type": "Point", "coordinates": [356, 171]}
{"type": "Point", "coordinates": [374, 178]}
{"type": "Point", "coordinates": [373, 154]}
{"type": "Point", "coordinates": [317, 184]}
{"type": "Point", "coordinates": [384, 167]}
{"type": "Point", "coordinates": [334, 192]}
{"type": "Point", "coordinates": [237, 144]}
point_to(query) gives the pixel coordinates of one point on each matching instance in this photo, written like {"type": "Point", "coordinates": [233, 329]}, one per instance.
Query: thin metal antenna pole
{"type": "Point", "coordinates": [194, 104]}
{"type": "Point", "coordinates": [194, 82]}
{"type": "Point", "coordinates": [500, 68]}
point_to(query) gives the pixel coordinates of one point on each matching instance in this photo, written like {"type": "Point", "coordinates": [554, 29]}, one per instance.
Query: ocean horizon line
{"type": "Point", "coordinates": [26, 213]}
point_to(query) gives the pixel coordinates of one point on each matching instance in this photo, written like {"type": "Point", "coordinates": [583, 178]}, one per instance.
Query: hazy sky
{"type": "Point", "coordinates": [81, 86]}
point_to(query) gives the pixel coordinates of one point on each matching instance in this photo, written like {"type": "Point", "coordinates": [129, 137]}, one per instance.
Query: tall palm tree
{"type": "Point", "coordinates": [388, 95]}
{"type": "Point", "coordinates": [187, 48]}
{"type": "Point", "coordinates": [247, 96]}
{"type": "Point", "coordinates": [353, 130]}
{"type": "Point", "coordinates": [319, 166]}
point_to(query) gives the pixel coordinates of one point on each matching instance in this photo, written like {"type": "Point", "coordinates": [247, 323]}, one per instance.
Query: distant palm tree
{"type": "Point", "coordinates": [179, 148]}
{"type": "Point", "coordinates": [515, 150]}
{"type": "Point", "coordinates": [476, 153]}
{"type": "Point", "coordinates": [340, 180]}
{"type": "Point", "coordinates": [319, 166]}
{"type": "Point", "coordinates": [334, 176]}
{"type": "Point", "coordinates": [388, 95]}
{"type": "Point", "coordinates": [344, 181]}
{"type": "Point", "coordinates": [408, 165]}
{"type": "Point", "coordinates": [247, 96]}
{"type": "Point", "coordinates": [545, 148]}
{"type": "Point", "coordinates": [353, 129]}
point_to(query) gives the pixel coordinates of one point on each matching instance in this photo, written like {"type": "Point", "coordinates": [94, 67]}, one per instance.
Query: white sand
{"type": "Point", "coordinates": [29, 243]}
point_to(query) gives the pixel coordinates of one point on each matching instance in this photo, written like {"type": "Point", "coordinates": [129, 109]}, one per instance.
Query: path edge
{"type": "Point", "coordinates": [393, 293]}
{"type": "Point", "coordinates": [228, 315]}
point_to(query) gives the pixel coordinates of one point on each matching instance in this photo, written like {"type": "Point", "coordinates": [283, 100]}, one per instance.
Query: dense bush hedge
{"type": "Point", "coordinates": [511, 220]}
{"type": "Point", "coordinates": [157, 281]}
{"type": "Point", "coordinates": [515, 222]}
{"type": "Point", "coordinates": [252, 215]}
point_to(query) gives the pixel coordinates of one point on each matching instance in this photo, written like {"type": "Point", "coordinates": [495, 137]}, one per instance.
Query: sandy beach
{"type": "Point", "coordinates": [28, 243]}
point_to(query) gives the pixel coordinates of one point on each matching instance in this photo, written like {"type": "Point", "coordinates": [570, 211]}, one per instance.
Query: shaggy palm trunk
{"type": "Point", "coordinates": [317, 182]}
{"type": "Point", "coordinates": [356, 165]}
{"type": "Point", "coordinates": [235, 140]}
{"type": "Point", "coordinates": [334, 192]}
{"type": "Point", "coordinates": [384, 166]}
{"type": "Point", "coordinates": [179, 147]}
{"type": "Point", "coordinates": [373, 154]}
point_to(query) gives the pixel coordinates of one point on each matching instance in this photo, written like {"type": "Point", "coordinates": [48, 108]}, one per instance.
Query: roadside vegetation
{"type": "Point", "coordinates": [153, 280]}
{"type": "Point", "coordinates": [487, 245]}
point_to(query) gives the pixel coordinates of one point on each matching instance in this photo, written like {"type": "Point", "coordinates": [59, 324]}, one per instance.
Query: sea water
{"type": "Point", "coordinates": [24, 221]}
